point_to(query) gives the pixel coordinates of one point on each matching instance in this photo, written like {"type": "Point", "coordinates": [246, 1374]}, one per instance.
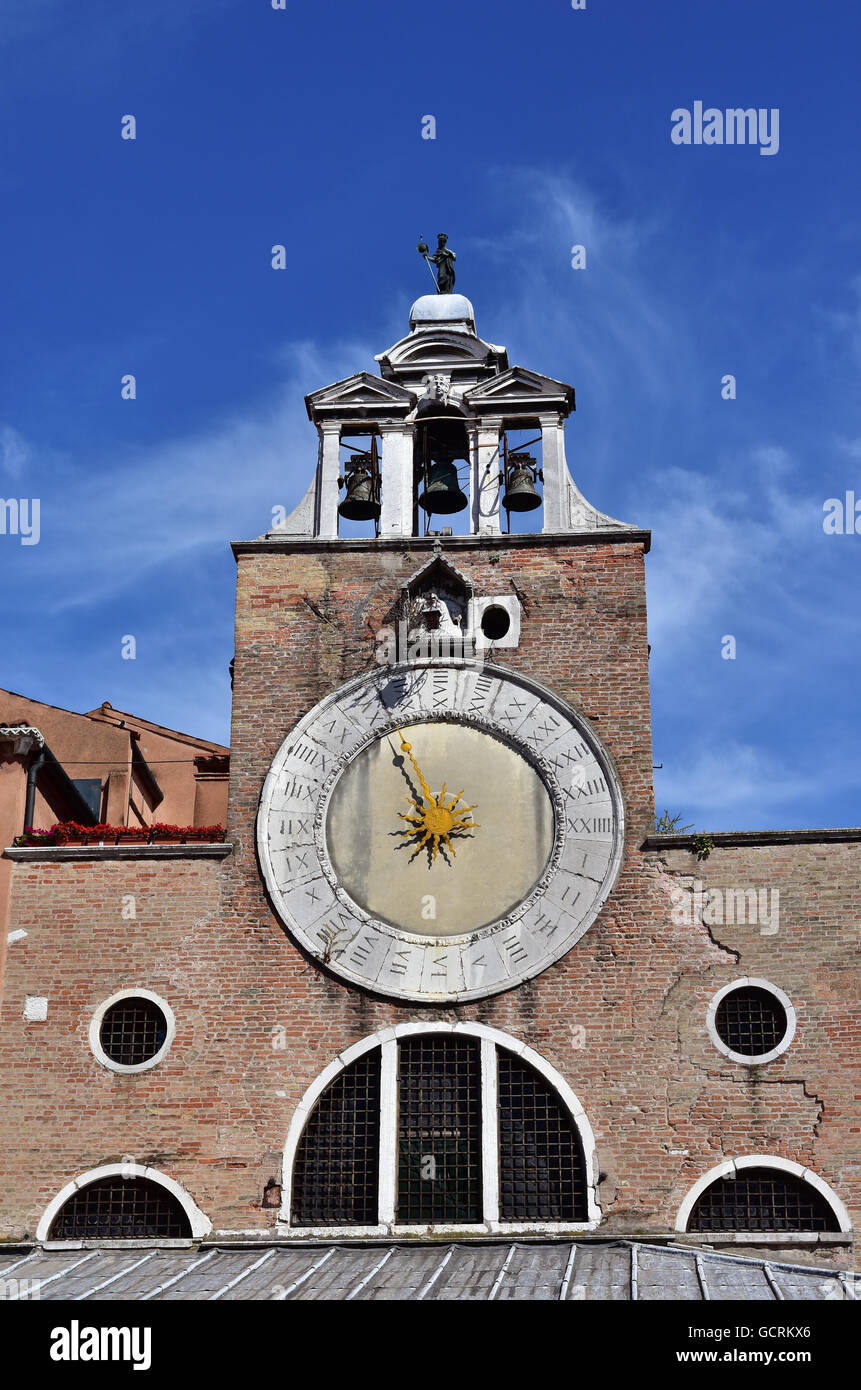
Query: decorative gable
{"type": "Point", "coordinates": [519, 390]}
{"type": "Point", "coordinates": [362, 396]}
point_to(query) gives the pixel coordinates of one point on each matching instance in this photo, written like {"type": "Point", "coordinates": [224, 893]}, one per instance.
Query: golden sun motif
{"type": "Point", "coordinates": [436, 820]}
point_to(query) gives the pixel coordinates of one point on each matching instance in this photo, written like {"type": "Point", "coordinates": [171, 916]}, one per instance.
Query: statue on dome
{"type": "Point", "coordinates": [443, 259]}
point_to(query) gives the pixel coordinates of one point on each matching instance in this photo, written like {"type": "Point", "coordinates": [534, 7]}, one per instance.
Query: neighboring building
{"type": "Point", "coordinates": [443, 980]}
{"type": "Point", "coordinates": [102, 767]}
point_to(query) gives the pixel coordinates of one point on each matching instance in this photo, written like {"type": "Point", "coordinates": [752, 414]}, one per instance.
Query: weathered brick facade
{"type": "Point", "coordinates": [621, 1017]}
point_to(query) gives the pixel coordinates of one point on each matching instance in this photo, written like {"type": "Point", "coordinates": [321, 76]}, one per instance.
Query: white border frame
{"type": "Point", "coordinates": [783, 1165]}
{"type": "Point", "coordinates": [783, 1000]}
{"type": "Point", "coordinates": [200, 1223]}
{"type": "Point", "coordinates": [510, 604]}
{"type": "Point", "coordinates": [96, 1028]}
{"type": "Point", "coordinates": [387, 1040]}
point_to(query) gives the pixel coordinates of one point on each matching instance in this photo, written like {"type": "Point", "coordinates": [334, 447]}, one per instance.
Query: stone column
{"type": "Point", "coordinates": [484, 476]}
{"type": "Point", "coordinates": [555, 473]}
{"type": "Point", "coordinates": [328, 471]}
{"type": "Point", "coordinates": [396, 468]}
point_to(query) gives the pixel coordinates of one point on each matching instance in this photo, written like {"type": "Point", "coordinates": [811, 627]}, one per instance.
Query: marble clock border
{"type": "Point", "coordinates": [376, 954]}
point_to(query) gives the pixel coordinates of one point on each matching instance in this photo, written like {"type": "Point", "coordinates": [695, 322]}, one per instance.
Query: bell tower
{"type": "Point", "coordinates": [441, 771]}
{"type": "Point", "coordinates": [442, 433]}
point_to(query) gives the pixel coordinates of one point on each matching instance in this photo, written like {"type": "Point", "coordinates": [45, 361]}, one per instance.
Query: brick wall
{"type": "Point", "coordinates": [665, 1106]}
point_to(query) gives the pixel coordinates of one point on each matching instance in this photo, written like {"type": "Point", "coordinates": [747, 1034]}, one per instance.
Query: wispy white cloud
{"type": "Point", "coordinates": [747, 780]}
{"type": "Point", "coordinates": [15, 452]}
{"type": "Point", "coordinates": [154, 508]}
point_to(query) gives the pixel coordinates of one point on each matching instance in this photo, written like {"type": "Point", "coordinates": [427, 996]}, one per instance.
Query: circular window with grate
{"type": "Point", "coordinates": [132, 1030]}
{"type": "Point", "coordinates": [751, 1021]}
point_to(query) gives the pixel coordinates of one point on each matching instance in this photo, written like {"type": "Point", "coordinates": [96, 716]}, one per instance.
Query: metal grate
{"type": "Point", "coordinates": [750, 1021]}
{"type": "Point", "coordinates": [131, 1208]}
{"type": "Point", "coordinates": [761, 1200]}
{"type": "Point", "coordinates": [542, 1175]}
{"type": "Point", "coordinates": [338, 1159]}
{"type": "Point", "coordinates": [439, 1129]}
{"type": "Point", "coordinates": [133, 1031]}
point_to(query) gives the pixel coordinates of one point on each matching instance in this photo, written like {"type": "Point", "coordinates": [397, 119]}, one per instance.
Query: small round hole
{"type": "Point", "coordinates": [495, 622]}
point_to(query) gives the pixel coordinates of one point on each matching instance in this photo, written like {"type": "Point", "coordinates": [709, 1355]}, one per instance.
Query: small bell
{"type": "Point", "coordinates": [362, 501]}
{"type": "Point", "coordinates": [443, 494]}
{"type": "Point", "coordinates": [521, 494]}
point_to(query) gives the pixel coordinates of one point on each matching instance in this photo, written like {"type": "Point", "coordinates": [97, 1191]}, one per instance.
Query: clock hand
{"type": "Point", "coordinates": [407, 748]}
{"type": "Point", "coordinates": [436, 820]}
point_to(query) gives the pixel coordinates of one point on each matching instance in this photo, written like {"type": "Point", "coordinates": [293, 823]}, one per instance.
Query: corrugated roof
{"type": "Point", "coordinates": [497, 1270]}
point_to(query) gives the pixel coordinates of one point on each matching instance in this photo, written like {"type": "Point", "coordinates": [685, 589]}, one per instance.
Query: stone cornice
{"type": "Point", "coordinates": [52, 854]}
{"type": "Point", "coordinates": [549, 539]}
{"type": "Point", "coordinates": [729, 838]}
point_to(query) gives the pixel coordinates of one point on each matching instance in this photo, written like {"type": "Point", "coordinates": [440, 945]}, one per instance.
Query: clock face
{"type": "Point", "coordinates": [448, 863]}
{"type": "Point", "coordinates": [439, 832]}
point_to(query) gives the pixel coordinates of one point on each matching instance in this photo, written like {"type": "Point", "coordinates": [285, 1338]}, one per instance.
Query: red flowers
{"type": "Point", "coordinates": [71, 833]}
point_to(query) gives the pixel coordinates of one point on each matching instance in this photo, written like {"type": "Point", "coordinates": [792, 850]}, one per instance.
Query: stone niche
{"type": "Point", "coordinates": [435, 608]}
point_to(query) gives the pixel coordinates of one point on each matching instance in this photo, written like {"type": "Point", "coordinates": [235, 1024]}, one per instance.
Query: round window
{"type": "Point", "coordinates": [751, 1021]}
{"type": "Point", "coordinates": [133, 1031]}
{"type": "Point", "coordinates": [495, 622]}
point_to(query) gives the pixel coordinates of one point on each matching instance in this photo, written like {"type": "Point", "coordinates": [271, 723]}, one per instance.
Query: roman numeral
{"type": "Point", "coordinates": [400, 962]}
{"type": "Point", "coordinates": [514, 948]}
{"type": "Point", "coordinates": [343, 735]}
{"type": "Point", "coordinates": [439, 969]}
{"type": "Point", "coordinates": [550, 723]}
{"type": "Point", "coordinates": [549, 925]}
{"type": "Point", "coordinates": [307, 753]}
{"type": "Point", "coordinates": [515, 705]}
{"type": "Point", "coordinates": [301, 790]}
{"type": "Point", "coordinates": [361, 951]}
{"type": "Point", "coordinates": [566, 755]}
{"type": "Point", "coordinates": [598, 825]}
{"type": "Point", "coordinates": [480, 692]}
{"type": "Point", "coordinates": [440, 690]}
{"type": "Point", "coordinates": [296, 825]}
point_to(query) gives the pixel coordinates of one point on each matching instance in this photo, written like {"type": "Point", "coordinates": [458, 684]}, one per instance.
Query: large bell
{"type": "Point", "coordinates": [360, 503]}
{"type": "Point", "coordinates": [443, 494]}
{"type": "Point", "coordinates": [521, 494]}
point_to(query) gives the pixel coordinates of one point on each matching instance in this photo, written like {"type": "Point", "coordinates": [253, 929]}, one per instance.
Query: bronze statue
{"type": "Point", "coordinates": [444, 261]}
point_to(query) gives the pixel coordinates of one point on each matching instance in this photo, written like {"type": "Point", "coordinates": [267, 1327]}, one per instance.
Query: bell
{"type": "Point", "coordinates": [442, 493]}
{"type": "Point", "coordinates": [521, 494]}
{"type": "Point", "coordinates": [360, 503]}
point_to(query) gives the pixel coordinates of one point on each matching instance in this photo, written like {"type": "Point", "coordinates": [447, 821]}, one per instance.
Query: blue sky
{"type": "Point", "coordinates": [303, 127]}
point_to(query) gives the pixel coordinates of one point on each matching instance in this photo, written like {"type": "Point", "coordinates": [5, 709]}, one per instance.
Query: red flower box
{"type": "Point", "coordinates": [71, 833]}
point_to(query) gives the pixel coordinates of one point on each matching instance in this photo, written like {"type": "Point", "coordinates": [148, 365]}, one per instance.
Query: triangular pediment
{"type": "Point", "coordinates": [363, 393]}
{"type": "Point", "coordinates": [519, 387]}
{"type": "Point", "coordinates": [439, 572]}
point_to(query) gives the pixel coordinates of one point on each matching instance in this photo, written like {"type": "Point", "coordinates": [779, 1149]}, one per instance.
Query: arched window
{"type": "Point", "coordinates": [120, 1208]}
{"type": "Point", "coordinates": [760, 1199]}
{"type": "Point", "coordinates": [761, 1193]}
{"type": "Point", "coordinates": [444, 1127]}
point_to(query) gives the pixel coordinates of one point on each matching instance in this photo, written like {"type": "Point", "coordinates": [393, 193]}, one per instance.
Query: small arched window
{"type": "Point", "coordinates": [120, 1208]}
{"type": "Point", "coordinates": [761, 1199]}
{"type": "Point", "coordinates": [439, 1128]}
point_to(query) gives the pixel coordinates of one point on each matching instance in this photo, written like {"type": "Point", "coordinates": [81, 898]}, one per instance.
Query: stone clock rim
{"type": "Point", "coordinates": [466, 720]}
{"type": "Point", "coordinates": [378, 679]}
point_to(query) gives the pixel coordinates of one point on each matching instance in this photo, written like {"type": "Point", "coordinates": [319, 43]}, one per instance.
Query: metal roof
{"type": "Point", "coordinates": [541, 1270]}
